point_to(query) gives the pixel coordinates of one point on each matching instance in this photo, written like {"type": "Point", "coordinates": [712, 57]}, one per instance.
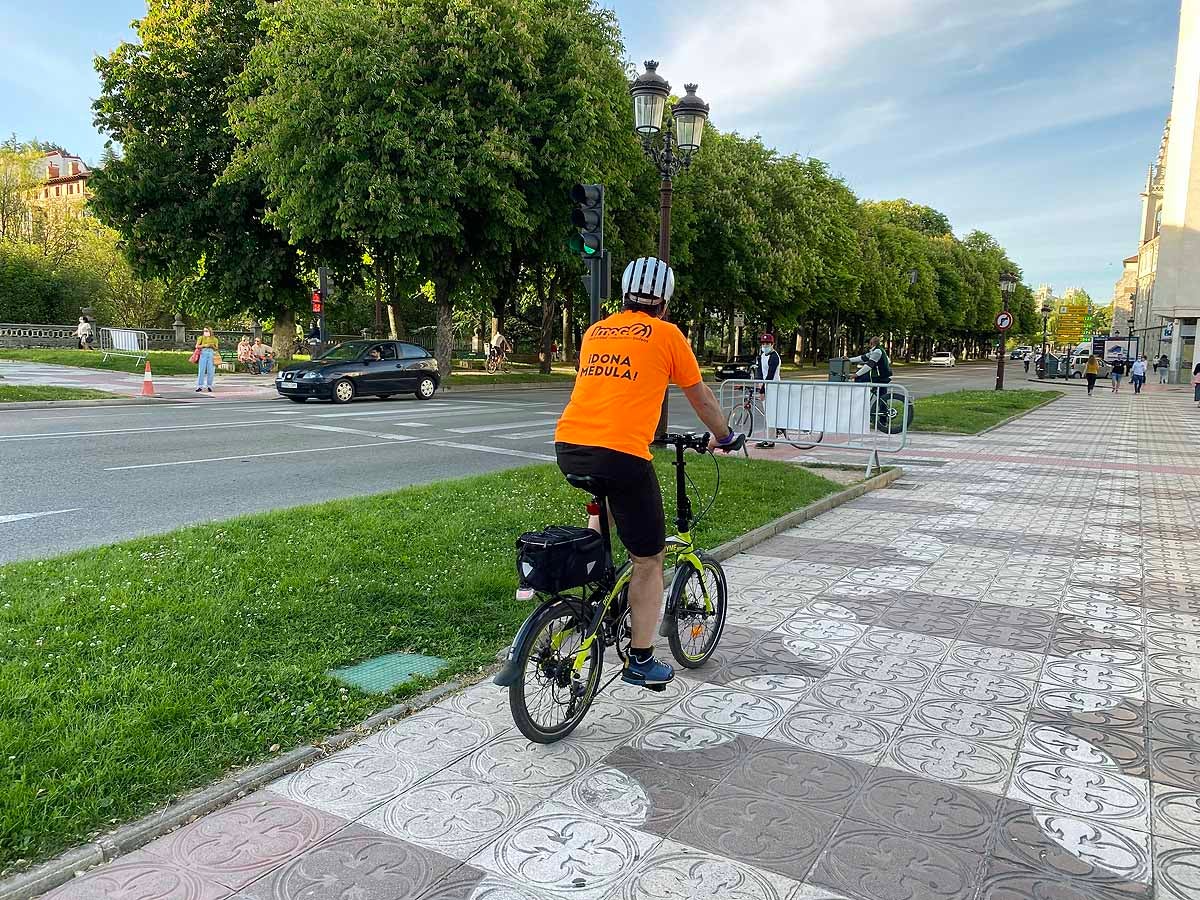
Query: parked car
{"type": "Point", "coordinates": [943, 358]}
{"type": "Point", "coordinates": [1020, 352]}
{"type": "Point", "coordinates": [357, 368]}
{"type": "Point", "coordinates": [738, 367]}
{"type": "Point", "coordinates": [1079, 363]}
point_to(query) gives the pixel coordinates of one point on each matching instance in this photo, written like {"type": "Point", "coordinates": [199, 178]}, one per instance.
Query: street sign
{"type": "Point", "coordinates": [739, 320]}
{"type": "Point", "coordinates": [1004, 321]}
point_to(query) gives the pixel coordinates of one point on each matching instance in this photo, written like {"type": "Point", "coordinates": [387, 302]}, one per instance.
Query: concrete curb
{"type": "Point", "coordinates": [1019, 415]}
{"type": "Point", "coordinates": [56, 404]}
{"type": "Point", "coordinates": [137, 834]}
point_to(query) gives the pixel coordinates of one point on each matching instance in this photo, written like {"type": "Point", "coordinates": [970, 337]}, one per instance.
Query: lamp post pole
{"type": "Point", "coordinates": [670, 148]}
{"type": "Point", "coordinates": [1046, 310]}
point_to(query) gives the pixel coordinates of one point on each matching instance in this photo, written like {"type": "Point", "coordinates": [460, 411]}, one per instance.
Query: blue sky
{"type": "Point", "coordinates": [1032, 119]}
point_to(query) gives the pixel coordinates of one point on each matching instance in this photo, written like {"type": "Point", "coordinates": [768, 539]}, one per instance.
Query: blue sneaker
{"type": "Point", "coordinates": [649, 673]}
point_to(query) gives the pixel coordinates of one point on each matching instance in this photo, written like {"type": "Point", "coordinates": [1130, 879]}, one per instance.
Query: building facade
{"type": "Point", "coordinates": [1166, 303]}
{"type": "Point", "coordinates": [63, 178]}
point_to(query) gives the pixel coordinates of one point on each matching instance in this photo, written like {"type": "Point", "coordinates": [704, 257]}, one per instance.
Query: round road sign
{"type": "Point", "coordinates": [1004, 321]}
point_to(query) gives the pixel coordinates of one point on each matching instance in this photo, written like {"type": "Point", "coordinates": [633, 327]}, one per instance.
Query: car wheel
{"type": "Point", "coordinates": [426, 388]}
{"type": "Point", "coordinates": [1076, 374]}
{"type": "Point", "coordinates": [297, 399]}
{"type": "Point", "coordinates": [343, 391]}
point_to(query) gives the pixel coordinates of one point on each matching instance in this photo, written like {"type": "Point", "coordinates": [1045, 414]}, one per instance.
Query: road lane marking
{"type": "Point", "coordinates": [475, 429]}
{"type": "Point", "coordinates": [62, 434]}
{"type": "Point", "coordinates": [520, 436]}
{"type": "Point", "coordinates": [20, 517]}
{"type": "Point", "coordinates": [342, 430]}
{"type": "Point", "coordinates": [503, 451]}
{"type": "Point", "coordinates": [193, 462]}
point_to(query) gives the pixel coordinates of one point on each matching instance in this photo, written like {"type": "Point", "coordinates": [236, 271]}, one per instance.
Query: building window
{"type": "Point", "coordinates": [1158, 221]}
{"type": "Point", "coordinates": [58, 190]}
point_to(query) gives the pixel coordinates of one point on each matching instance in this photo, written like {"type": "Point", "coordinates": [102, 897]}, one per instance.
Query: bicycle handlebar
{"type": "Point", "coordinates": [697, 442]}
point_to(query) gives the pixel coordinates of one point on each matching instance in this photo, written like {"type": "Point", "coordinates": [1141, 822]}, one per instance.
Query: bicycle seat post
{"type": "Point", "coordinates": [683, 506]}
{"type": "Point", "coordinates": [598, 506]}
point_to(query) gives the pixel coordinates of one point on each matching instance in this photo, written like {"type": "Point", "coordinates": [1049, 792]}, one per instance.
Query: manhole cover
{"type": "Point", "coordinates": [384, 673]}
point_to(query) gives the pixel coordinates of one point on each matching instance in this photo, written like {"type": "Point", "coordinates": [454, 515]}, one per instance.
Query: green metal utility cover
{"type": "Point", "coordinates": [384, 673]}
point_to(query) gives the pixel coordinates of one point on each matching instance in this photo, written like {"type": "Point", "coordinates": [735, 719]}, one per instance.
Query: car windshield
{"type": "Point", "coordinates": [348, 350]}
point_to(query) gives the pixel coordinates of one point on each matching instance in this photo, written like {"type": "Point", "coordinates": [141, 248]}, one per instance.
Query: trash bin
{"type": "Point", "coordinates": [838, 369]}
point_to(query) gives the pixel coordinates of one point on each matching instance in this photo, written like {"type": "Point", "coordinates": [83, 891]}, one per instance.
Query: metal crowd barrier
{"type": "Point", "coordinates": [834, 415]}
{"type": "Point", "coordinates": [124, 342]}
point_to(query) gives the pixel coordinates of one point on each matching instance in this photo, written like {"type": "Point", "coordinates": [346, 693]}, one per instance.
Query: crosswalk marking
{"type": "Point", "coordinates": [503, 426]}
{"type": "Point", "coordinates": [521, 435]}
{"type": "Point", "coordinates": [503, 451]}
{"type": "Point", "coordinates": [342, 430]}
{"type": "Point", "coordinates": [20, 517]}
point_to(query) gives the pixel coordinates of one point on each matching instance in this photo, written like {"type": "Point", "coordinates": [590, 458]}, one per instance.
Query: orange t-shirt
{"type": "Point", "coordinates": [625, 365]}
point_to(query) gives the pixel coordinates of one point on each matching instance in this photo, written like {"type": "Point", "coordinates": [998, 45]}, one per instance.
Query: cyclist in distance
{"type": "Point", "coordinates": [626, 362]}
{"type": "Point", "coordinates": [874, 364]}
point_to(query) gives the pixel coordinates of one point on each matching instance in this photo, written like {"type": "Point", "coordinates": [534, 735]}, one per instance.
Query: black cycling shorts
{"type": "Point", "coordinates": [631, 487]}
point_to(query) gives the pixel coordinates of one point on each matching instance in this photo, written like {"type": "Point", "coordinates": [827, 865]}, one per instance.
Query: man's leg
{"type": "Point", "coordinates": [645, 597]}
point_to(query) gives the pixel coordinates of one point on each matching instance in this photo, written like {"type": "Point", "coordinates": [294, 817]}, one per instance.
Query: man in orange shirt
{"type": "Point", "coordinates": [625, 365]}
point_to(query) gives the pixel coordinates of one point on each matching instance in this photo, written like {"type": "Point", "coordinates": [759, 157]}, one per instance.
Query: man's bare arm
{"type": "Point", "coordinates": [707, 408]}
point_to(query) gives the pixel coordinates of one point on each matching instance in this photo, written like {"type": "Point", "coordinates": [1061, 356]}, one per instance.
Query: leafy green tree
{"type": "Point", "coordinates": [922, 219]}
{"type": "Point", "coordinates": [164, 99]}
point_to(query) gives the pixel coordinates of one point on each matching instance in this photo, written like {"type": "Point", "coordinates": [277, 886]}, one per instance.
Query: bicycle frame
{"type": "Point", "coordinates": [680, 548]}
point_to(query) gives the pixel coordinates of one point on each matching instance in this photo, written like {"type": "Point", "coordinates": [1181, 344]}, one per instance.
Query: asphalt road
{"type": "Point", "coordinates": [79, 477]}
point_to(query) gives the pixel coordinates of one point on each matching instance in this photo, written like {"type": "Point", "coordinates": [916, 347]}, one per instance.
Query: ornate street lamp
{"type": "Point", "coordinates": [1008, 285]}
{"type": "Point", "coordinates": [670, 148]}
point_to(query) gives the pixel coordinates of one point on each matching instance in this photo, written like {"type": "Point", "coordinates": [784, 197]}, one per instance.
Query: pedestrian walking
{"type": "Point", "coordinates": [1028, 357]}
{"type": "Point", "coordinates": [1196, 384]}
{"type": "Point", "coordinates": [1117, 373]}
{"type": "Point", "coordinates": [1137, 374]}
{"type": "Point", "coordinates": [1091, 372]}
{"type": "Point", "coordinates": [83, 334]}
{"type": "Point", "coordinates": [205, 356]}
{"type": "Point", "coordinates": [1162, 365]}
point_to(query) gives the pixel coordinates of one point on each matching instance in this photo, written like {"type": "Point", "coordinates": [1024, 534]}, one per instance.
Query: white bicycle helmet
{"type": "Point", "coordinates": [648, 282]}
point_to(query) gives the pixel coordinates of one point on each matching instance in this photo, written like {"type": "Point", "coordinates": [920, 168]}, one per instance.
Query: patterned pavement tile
{"type": "Point", "coordinates": [778, 835]}
{"type": "Point", "coordinates": [235, 845]}
{"type": "Point", "coordinates": [1175, 813]}
{"type": "Point", "coordinates": [1119, 750]}
{"type": "Point", "coordinates": [972, 764]}
{"type": "Point", "coordinates": [1082, 791]}
{"type": "Point", "coordinates": [883, 667]}
{"type": "Point", "coordinates": [514, 762]}
{"type": "Point", "coordinates": [557, 850]}
{"type": "Point", "coordinates": [969, 721]}
{"type": "Point", "coordinates": [355, 864]}
{"type": "Point", "coordinates": [140, 876]}
{"type": "Point", "coordinates": [878, 864]}
{"type": "Point", "coordinates": [354, 780]}
{"type": "Point", "coordinates": [453, 815]}
{"type": "Point", "coordinates": [859, 696]}
{"type": "Point", "coordinates": [680, 872]}
{"type": "Point", "coordinates": [903, 643]}
{"type": "Point", "coordinates": [980, 686]}
{"type": "Point", "coordinates": [1080, 850]}
{"type": "Point", "coordinates": [1005, 880]}
{"type": "Point", "coordinates": [782, 770]}
{"type": "Point", "coordinates": [995, 660]}
{"type": "Point", "coordinates": [1177, 766]}
{"type": "Point", "coordinates": [1176, 869]}
{"type": "Point", "coordinates": [741, 711]}
{"type": "Point", "coordinates": [834, 732]}
{"type": "Point", "coordinates": [929, 810]}
{"type": "Point", "coordinates": [689, 747]}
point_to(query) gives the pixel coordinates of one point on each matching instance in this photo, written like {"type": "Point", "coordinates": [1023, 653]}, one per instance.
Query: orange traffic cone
{"type": "Point", "coordinates": [147, 382]}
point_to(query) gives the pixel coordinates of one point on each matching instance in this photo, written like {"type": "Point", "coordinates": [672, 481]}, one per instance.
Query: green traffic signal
{"type": "Point", "coordinates": [588, 217]}
{"type": "Point", "coordinates": [582, 246]}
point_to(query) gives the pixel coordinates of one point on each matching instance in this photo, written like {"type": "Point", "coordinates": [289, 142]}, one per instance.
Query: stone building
{"type": "Point", "coordinates": [1166, 303]}
{"type": "Point", "coordinates": [64, 179]}
{"type": "Point", "coordinates": [1123, 294]}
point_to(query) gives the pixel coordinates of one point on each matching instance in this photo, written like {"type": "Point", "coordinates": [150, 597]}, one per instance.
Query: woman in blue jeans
{"type": "Point", "coordinates": [207, 345]}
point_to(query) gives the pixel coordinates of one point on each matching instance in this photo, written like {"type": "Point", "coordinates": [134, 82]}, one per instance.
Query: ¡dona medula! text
{"type": "Point", "coordinates": [613, 365]}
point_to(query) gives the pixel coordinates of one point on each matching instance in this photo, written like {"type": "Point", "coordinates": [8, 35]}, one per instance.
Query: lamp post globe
{"type": "Point", "coordinates": [689, 115]}
{"type": "Point", "coordinates": [650, 92]}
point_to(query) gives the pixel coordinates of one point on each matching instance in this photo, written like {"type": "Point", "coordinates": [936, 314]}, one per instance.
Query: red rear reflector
{"type": "Point", "coordinates": [593, 509]}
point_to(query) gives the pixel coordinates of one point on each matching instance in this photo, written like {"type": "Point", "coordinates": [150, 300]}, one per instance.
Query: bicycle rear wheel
{"type": "Point", "coordinates": [492, 364]}
{"type": "Point", "coordinates": [552, 694]}
{"type": "Point", "coordinates": [741, 420]}
{"type": "Point", "coordinates": [891, 410]}
{"type": "Point", "coordinates": [698, 624]}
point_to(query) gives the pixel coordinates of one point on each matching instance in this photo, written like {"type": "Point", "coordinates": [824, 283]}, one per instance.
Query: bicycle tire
{"type": "Point", "coordinates": [887, 418]}
{"type": "Point", "coordinates": [813, 438]}
{"type": "Point", "coordinates": [742, 421]}
{"type": "Point", "coordinates": [492, 364]}
{"type": "Point", "coordinates": [551, 669]}
{"type": "Point", "coordinates": [686, 603]}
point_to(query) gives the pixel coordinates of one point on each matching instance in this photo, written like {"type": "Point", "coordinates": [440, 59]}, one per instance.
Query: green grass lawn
{"type": "Point", "coordinates": [468, 378]}
{"type": "Point", "coordinates": [970, 412]}
{"type": "Point", "coordinates": [23, 393]}
{"type": "Point", "coordinates": [132, 672]}
{"type": "Point", "coordinates": [162, 362]}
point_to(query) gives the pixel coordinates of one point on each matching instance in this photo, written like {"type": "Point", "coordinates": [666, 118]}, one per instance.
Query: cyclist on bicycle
{"type": "Point", "coordinates": [626, 362]}
{"type": "Point", "coordinates": [500, 345]}
{"type": "Point", "coordinates": [874, 364]}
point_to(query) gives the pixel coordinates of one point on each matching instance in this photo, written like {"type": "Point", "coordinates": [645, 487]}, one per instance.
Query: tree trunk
{"type": "Point", "coordinates": [285, 333]}
{"type": "Point", "coordinates": [568, 351]}
{"type": "Point", "coordinates": [445, 326]}
{"type": "Point", "coordinates": [549, 299]}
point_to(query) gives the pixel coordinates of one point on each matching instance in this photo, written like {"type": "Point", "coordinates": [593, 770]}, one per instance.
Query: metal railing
{"type": "Point", "coordinates": [124, 342]}
{"type": "Point", "coordinates": [834, 415]}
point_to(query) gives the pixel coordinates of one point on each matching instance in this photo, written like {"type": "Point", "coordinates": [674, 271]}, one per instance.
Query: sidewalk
{"type": "Point", "coordinates": [170, 387]}
{"type": "Point", "coordinates": [983, 682]}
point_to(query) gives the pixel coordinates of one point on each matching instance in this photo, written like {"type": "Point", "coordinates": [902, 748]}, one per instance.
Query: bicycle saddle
{"type": "Point", "coordinates": [586, 483]}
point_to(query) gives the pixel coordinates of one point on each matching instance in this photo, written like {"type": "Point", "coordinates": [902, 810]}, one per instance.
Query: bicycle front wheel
{"type": "Point", "coordinates": [492, 364]}
{"type": "Point", "coordinates": [699, 599]}
{"type": "Point", "coordinates": [555, 688]}
{"type": "Point", "coordinates": [891, 411]}
{"type": "Point", "coordinates": [741, 420]}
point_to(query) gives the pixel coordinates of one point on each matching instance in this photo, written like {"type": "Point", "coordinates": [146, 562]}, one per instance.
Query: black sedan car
{"type": "Point", "coordinates": [738, 367]}
{"type": "Point", "coordinates": [357, 368]}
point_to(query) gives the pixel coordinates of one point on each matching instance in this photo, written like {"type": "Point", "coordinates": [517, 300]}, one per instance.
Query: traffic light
{"type": "Point", "coordinates": [317, 301]}
{"type": "Point", "coordinates": [588, 217]}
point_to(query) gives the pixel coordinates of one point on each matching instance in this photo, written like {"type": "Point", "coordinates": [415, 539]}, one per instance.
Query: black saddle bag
{"type": "Point", "coordinates": [558, 558]}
